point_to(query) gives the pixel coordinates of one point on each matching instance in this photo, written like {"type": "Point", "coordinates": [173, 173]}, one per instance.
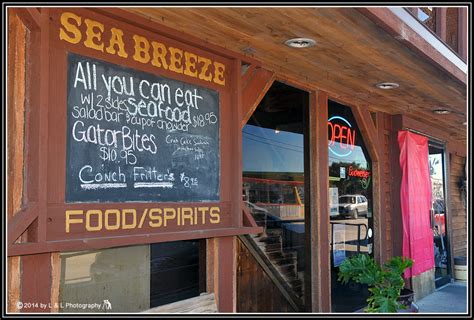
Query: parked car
{"type": "Point", "coordinates": [353, 205]}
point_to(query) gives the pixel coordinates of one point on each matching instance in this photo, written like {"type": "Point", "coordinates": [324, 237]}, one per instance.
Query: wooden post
{"type": "Point", "coordinates": [397, 225]}
{"type": "Point", "coordinates": [318, 275]}
{"type": "Point", "coordinates": [462, 33]}
{"type": "Point", "coordinates": [226, 269]}
{"type": "Point", "coordinates": [441, 22]}
{"type": "Point", "coordinates": [36, 283]}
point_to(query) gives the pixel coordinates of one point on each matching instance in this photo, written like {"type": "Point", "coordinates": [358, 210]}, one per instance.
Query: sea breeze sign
{"type": "Point", "coordinates": [95, 35]}
{"type": "Point", "coordinates": [341, 136]}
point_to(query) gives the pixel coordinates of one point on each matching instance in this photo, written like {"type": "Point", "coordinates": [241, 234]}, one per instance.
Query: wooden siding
{"type": "Point", "coordinates": [458, 209]}
{"type": "Point", "coordinates": [386, 188]}
{"type": "Point", "coordinates": [16, 119]}
{"type": "Point", "coordinates": [255, 290]}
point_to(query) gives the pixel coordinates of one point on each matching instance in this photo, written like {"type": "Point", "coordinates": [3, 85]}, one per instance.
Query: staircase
{"type": "Point", "coordinates": [284, 261]}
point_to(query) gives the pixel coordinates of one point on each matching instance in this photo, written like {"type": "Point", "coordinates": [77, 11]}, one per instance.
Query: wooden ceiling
{"type": "Point", "coordinates": [352, 54]}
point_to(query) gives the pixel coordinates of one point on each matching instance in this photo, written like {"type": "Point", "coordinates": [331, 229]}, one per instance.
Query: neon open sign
{"type": "Point", "coordinates": [340, 130]}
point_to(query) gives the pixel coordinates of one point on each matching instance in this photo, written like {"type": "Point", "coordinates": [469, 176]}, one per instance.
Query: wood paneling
{"type": "Point", "coordinates": [318, 285]}
{"type": "Point", "coordinates": [255, 291]}
{"type": "Point", "coordinates": [385, 143]}
{"type": "Point", "coordinates": [15, 109]}
{"type": "Point", "coordinates": [36, 282]}
{"type": "Point", "coordinates": [458, 209]}
{"type": "Point", "coordinates": [352, 55]}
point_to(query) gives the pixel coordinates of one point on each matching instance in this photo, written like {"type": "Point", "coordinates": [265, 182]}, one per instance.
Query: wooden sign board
{"type": "Point", "coordinates": [138, 135]}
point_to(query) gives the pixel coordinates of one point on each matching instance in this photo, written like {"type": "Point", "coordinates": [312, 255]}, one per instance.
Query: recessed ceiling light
{"type": "Point", "coordinates": [387, 85]}
{"type": "Point", "coordinates": [300, 43]}
{"type": "Point", "coordinates": [441, 111]}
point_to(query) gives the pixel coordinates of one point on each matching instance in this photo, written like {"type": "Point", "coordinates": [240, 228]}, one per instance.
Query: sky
{"type": "Point", "coordinates": [268, 151]}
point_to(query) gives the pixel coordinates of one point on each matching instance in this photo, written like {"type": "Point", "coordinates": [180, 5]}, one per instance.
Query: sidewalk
{"type": "Point", "coordinates": [450, 299]}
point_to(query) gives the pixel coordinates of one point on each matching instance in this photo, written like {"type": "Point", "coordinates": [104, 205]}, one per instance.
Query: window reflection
{"type": "Point", "coordinates": [273, 181]}
{"type": "Point", "coordinates": [427, 15]}
{"type": "Point", "coordinates": [350, 202]}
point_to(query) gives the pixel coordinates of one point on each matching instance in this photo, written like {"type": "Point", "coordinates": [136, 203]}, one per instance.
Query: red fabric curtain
{"type": "Point", "coordinates": [415, 198]}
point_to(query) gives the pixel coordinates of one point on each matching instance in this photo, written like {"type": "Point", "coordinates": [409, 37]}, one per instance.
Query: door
{"type": "Point", "coordinates": [439, 213]}
{"type": "Point", "coordinates": [350, 204]}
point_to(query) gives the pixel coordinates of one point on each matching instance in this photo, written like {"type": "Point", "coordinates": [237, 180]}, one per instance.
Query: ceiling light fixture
{"type": "Point", "coordinates": [387, 85]}
{"type": "Point", "coordinates": [441, 111]}
{"type": "Point", "coordinates": [300, 43]}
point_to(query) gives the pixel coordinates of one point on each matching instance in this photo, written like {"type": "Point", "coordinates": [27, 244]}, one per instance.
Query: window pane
{"type": "Point", "coordinates": [129, 279]}
{"type": "Point", "coordinates": [350, 199]}
{"type": "Point", "coordinates": [273, 176]}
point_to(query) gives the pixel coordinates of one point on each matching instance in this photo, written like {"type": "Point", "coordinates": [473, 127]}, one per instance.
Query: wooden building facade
{"type": "Point", "coordinates": [157, 185]}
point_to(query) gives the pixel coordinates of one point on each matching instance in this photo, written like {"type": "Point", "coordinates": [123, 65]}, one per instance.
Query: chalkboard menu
{"type": "Point", "coordinates": [135, 136]}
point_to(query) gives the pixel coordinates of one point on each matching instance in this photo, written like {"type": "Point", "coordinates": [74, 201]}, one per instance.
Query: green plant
{"type": "Point", "coordinates": [385, 283]}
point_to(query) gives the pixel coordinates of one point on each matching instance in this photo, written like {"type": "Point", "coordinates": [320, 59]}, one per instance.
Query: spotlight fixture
{"type": "Point", "coordinates": [441, 111]}
{"type": "Point", "coordinates": [300, 43]}
{"type": "Point", "coordinates": [387, 85]}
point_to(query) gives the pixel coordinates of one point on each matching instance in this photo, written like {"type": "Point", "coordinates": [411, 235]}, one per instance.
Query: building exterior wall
{"type": "Point", "coordinates": [458, 205]}
{"type": "Point", "coordinates": [225, 276]}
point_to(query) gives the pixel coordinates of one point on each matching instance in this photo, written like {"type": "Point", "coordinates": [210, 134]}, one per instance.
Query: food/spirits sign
{"type": "Point", "coordinates": [134, 136]}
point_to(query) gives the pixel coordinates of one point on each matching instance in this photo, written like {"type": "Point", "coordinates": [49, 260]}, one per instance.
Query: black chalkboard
{"type": "Point", "coordinates": [135, 136]}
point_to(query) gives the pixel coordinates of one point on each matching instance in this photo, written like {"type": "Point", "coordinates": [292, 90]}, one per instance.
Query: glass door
{"type": "Point", "coordinates": [438, 214]}
{"type": "Point", "coordinates": [350, 203]}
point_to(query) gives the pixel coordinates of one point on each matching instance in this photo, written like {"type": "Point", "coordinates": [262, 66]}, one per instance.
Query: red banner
{"type": "Point", "coordinates": [415, 198]}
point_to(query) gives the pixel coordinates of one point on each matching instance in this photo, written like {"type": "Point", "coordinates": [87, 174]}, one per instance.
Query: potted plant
{"type": "Point", "coordinates": [385, 282]}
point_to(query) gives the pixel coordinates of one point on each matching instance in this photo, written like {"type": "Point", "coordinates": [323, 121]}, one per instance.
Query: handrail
{"type": "Point", "coordinates": [272, 273]}
{"type": "Point", "coordinates": [358, 232]}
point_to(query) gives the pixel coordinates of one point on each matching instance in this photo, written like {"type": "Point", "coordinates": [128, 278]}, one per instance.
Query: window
{"type": "Point", "coordinates": [350, 190]}
{"type": "Point", "coordinates": [273, 152]}
{"type": "Point", "coordinates": [131, 279]}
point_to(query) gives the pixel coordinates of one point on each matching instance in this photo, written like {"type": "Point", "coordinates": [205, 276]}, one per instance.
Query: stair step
{"type": "Point", "coordinates": [272, 239]}
{"type": "Point", "coordinates": [289, 270]}
{"type": "Point", "coordinates": [269, 247]}
{"type": "Point", "coordinates": [288, 256]}
{"type": "Point", "coordinates": [275, 231]}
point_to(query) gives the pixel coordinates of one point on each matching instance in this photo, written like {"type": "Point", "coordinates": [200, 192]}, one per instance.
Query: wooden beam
{"type": "Point", "coordinates": [237, 101]}
{"type": "Point", "coordinates": [29, 16]}
{"type": "Point", "coordinates": [393, 25]}
{"type": "Point", "coordinates": [55, 280]}
{"type": "Point", "coordinates": [36, 283]}
{"type": "Point", "coordinates": [438, 133]}
{"type": "Point", "coordinates": [462, 33]}
{"type": "Point", "coordinates": [119, 241]}
{"type": "Point", "coordinates": [396, 176]}
{"type": "Point", "coordinates": [20, 222]}
{"type": "Point", "coordinates": [247, 74]}
{"type": "Point", "coordinates": [368, 130]}
{"type": "Point", "coordinates": [254, 91]}
{"type": "Point", "coordinates": [441, 22]}
{"type": "Point", "coordinates": [248, 220]}
{"type": "Point", "coordinates": [318, 264]}
{"type": "Point", "coordinates": [14, 287]}
{"type": "Point", "coordinates": [381, 246]}
{"type": "Point", "coordinates": [227, 258]}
